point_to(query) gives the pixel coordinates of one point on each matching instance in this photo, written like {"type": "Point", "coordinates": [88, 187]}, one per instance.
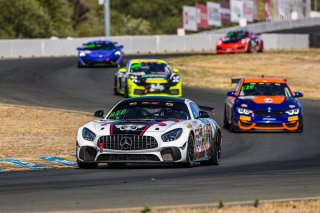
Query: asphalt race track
{"type": "Point", "coordinates": [254, 166]}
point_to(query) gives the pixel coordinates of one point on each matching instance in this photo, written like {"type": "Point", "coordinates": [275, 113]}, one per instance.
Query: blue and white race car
{"type": "Point", "coordinates": [263, 104]}
{"type": "Point", "coordinates": [100, 52]}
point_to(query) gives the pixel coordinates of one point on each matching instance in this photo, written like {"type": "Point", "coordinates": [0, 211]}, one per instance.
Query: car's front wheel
{"type": "Point", "coordinates": [115, 90]}
{"type": "Point", "coordinates": [84, 165]}
{"type": "Point", "coordinates": [189, 153]}
{"type": "Point", "coordinates": [226, 124]}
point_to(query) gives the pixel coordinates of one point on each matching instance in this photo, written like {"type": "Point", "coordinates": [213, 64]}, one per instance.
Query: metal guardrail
{"type": "Point", "coordinates": [139, 44]}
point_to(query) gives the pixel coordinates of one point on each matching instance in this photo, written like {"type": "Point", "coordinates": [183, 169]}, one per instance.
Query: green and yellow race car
{"type": "Point", "coordinates": [147, 77]}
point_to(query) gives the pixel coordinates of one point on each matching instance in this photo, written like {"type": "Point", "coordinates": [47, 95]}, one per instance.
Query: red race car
{"type": "Point", "coordinates": [241, 41]}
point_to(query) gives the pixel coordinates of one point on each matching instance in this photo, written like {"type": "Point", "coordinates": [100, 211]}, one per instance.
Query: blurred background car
{"type": "Point", "coordinates": [100, 52]}
{"type": "Point", "coordinates": [240, 42]}
{"type": "Point", "coordinates": [147, 77]}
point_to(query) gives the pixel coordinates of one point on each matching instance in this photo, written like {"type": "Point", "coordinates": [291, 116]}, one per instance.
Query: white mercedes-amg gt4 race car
{"type": "Point", "coordinates": [150, 130]}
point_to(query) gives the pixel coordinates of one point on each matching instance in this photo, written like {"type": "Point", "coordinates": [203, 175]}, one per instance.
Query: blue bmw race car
{"type": "Point", "coordinates": [263, 104]}
{"type": "Point", "coordinates": [100, 52]}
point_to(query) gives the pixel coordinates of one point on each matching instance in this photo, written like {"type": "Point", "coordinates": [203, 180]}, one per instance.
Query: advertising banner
{"type": "Point", "coordinates": [190, 18]}
{"type": "Point", "coordinates": [255, 10]}
{"type": "Point", "coordinates": [225, 12]}
{"type": "Point", "coordinates": [202, 16]}
{"type": "Point", "coordinates": [267, 10]}
{"type": "Point", "coordinates": [248, 10]}
{"type": "Point", "coordinates": [236, 10]}
{"type": "Point", "coordinates": [214, 14]}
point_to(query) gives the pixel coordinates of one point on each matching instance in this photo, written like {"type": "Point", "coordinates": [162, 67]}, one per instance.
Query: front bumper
{"type": "Point", "coordinates": [100, 60]}
{"type": "Point", "coordinates": [165, 152]}
{"type": "Point", "coordinates": [283, 123]}
{"type": "Point", "coordinates": [230, 48]}
{"type": "Point", "coordinates": [135, 90]}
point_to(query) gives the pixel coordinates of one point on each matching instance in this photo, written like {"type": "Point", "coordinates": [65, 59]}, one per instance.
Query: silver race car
{"type": "Point", "coordinates": [150, 130]}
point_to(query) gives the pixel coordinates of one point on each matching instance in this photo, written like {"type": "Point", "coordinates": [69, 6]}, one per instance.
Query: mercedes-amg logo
{"type": "Point", "coordinates": [125, 142]}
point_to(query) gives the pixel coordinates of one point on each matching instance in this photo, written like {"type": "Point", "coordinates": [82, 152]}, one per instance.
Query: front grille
{"type": "Point", "coordinates": [127, 157]}
{"type": "Point", "coordinates": [261, 112]}
{"type": "Point", "coordinates": [274, 113]}
{"type": "Point", "coordinates": [128, 142]}
{"type": "Point", "coordinates": [268, 125]}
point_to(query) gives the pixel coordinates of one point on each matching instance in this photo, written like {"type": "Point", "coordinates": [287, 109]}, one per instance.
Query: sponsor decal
{"type": "Point", "coordinates": [293, 118]}
{"type": "Point", "coordinates": [292, 106]}
{"type": "Point", "coordinates": [269, 119]}
{"type": "Point", "coordinates": [245, 118]}
{"type": "Point", "coordinates": [244, 105]}
{"type": "Point", "coordinates": [268, 100]}
{"type": "Point", "coordinates": [129, 127]}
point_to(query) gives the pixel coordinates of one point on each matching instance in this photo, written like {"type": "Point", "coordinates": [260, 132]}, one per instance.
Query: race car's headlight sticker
{"type": "Point", "coordinates": [293, 111]}
{"type": "Point", "coordinates": [244, 111]}
{"type": "Point", "coordinates": [135, 79]}
{"type": "Point", "coordinates": [84, 53]}
{"type": "Point", "coordinates": [117, 52]}
{"type": "Point", "coordinates": [88, 135]}
{"type": "Point", "coordinates": [175, 78]}
{"type": "Point", "coordinates": [172, 135]}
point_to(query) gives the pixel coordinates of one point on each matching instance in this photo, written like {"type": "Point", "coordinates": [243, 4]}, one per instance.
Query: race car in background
{"type": "Point", "coordinates": [147, 77]}
{"type": "Point", "coordinates": [100, 52]}
{"type": "Point", "coordinates": [241, 41]}
{"type": "Point", "coordinates": [150, 130]}
{"type": "Point", "coordinates": [263, 104]}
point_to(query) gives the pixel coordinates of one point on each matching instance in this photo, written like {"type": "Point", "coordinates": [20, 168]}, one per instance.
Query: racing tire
{"type": "Point", "coordinates": [215, 152]}
{"type": "Point", "coordinates": [126, 92]}
{"type": "Point", "coordinates": [261, 47]}
{"type": "Point", "coordinates": [115, 90]}
{"type": "Point", "coordinates": [117, 165]}
{"type": "Point", "coordinates": [80, 65]}
{"type": "Point", "coordinates": [83, 165]}
{"type": "Point", "coordinates": [231, 126]}
{"type": "Point", "coordinates": [300, 127]}
{"type": "Point", "coordinates": [189, 155]}
{"type": "Point", "coordinates": [249, 48]}
{"type": "Point", "coordinates": [226, 124]}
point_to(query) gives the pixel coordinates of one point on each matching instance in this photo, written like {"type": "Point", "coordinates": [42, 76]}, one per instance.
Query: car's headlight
{"type": "Point", "coordinates": [175, 78]}
{"type": "Point", "coordinates": [293, 111]}
{"type": "Point", "coordinates": [172, 135]}
{"type": "Point", "coordinates": [117, 53]}
{"type": "Point", "coordinates": [244, 111]}
{"type": "Point", "coordinates": [135, 79]}
{"type": "Point", "coordinates": [88, 135]}
{"type": "Point", "coordinates": [84, 53]}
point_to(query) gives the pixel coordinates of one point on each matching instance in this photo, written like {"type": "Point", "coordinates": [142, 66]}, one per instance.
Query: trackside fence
{"type": "Point", "coordinates": [140, 44]}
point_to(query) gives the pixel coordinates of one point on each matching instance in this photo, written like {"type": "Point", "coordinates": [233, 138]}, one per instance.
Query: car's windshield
{"type": "Point", "coordinates": [150, 68]}
{"type": "Point", "coordinates": [99, 46]}
{"type": "Point", "coordinates": [153, 110]}
{"type": "Point", "coordinates": [237, 34]}
{"type": "Point", "coordinates": [265, 89]}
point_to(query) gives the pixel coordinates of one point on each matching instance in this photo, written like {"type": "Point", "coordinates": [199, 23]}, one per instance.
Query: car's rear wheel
{"type": "Point", "coordinates": [117, 165]}
{"type": "Point", "coordinates": [215, 152]}
{"type": "Point", "coordinates": [84, 165]}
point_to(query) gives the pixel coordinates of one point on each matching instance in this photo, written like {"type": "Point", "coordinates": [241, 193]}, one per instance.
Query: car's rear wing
{"type": "Point", "coordinates": [208, 109]}
{"type": "Point", "coordinates": [235, 80]}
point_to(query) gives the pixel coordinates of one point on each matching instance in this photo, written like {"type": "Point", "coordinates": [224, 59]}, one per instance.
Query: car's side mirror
{"type": "Point", "coordinates": [175, 70]}
{"type": "Point", "coordinates": [99, 114]}
{"type": "Point", "coordinates": [120, 46]}
{"type": "Point", "coordinates": [231, 93]}
{"type": "Point", "coordinates": [122, 70]}
{"type": "Point", "coordinates": [204, 114]}
{"type": "Point", "coordinates": [298, 94]}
